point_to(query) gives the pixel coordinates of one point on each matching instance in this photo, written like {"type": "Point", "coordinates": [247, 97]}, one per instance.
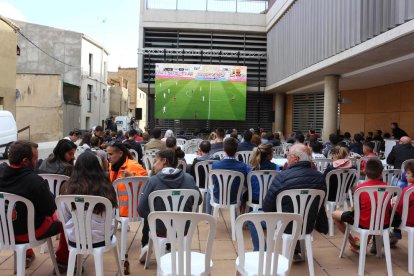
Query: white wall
{"type": "Point", "coordinates": [98, 80]}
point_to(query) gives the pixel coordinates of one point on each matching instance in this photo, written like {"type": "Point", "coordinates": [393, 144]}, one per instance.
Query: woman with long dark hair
{"type": "Point", "coordinates": [61, 161]}
{"type": "Point", "coordinates": [88, 178]}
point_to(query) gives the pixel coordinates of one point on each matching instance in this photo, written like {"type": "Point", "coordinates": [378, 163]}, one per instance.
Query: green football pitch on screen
{"type": "Point", "coordinates": [200, 99]}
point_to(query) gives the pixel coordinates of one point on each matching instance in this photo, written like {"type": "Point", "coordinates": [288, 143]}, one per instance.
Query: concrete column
{"type": "Point", "coordinates": [330, 112]}
{"type": "Point", "coordinates": [280, 112]}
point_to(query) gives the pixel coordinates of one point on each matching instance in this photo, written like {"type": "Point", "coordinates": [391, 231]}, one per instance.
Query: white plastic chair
{"type": "Point", "coordinates": [302, 200]}
{"type": "Point", "coordinates": [359, 161]}
{"type": "Point", "coordinates": [226, 179]}
{"type": "Point", "coordinates": [286, 147]}
{"type": "Point", "coordinates": [408, 229]}
{"type": "Point", "coordinates": [268, 260]}
{"type": "Point", "coordinates": [264, 178]}
{"type": "Point", "coordinates": [55, 181]}
{"type": "Point", "coordinates": [346, 180]}
{"type": "Point", "coordinates": [245, 155]}
{"type": "Point", "coordinates": [322, 163]}
{"type": "Point", "coordinates": [206, 165]}
{"type": "Point", "coordinates": [7, 238]}
{"type": "Point", "coordinates": [191, 147]}
{"type": "Point", "coordinates": [377, 145]}
{"type": "Point", "coordinates": [149, 158]}
{"type": "Point", "coordinates": [391, 176]}
{"type": "Point", "coordinates": [181, 260]}
{"type": "Point", "coordinates": [181, 142]}
{"type": "Point", "coordinates": [81, 217]}
{"type": "Point", "coordinates": [174, 201]}
{"type": "Point", "coordinates": [278, 151]}
{"type": "Point", "coordinates": [220, 154]}
{"type": "Point", "coordinates": [134, 154]}
{"type": "Point", "coordinates": [182, 165]}
{"type": "Point", "coordinates": [379, 207]}
{"type": "Point", "coordinates": [133, 191]}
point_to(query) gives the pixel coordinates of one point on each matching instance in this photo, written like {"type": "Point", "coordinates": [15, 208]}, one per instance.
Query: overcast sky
{"type": "Point", "coordinates": [114, 24]}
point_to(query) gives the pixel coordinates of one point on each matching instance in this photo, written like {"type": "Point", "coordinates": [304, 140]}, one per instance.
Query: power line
{"type": "Point", "coordinates": [43, 51]}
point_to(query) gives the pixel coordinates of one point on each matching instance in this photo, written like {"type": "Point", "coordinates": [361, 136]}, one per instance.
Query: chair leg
{"type": "Point", "coordinates": [362, 253]}
{"type": "Point", "coordinates": [309, 253]}
{"type": "Point", "coordinates": [147, 259]}
{"type": "Point", "coordinates": [387, 249]}
{"type": "Point", "coordinates": [233, 221]}
{"type": "Point", "coordinates": [216, 212]}
{"type": "Point", "coordinates": [346, 235]}
{"type": "Point", "coordinates": [20, 261]}
{"type": "Point", "coordinates": [331, 222]}
{"type": "Point", "coordinates": [410, 252]}
{"type": "Point", "coordinates": [118, 261]}
{"type": "Point", "coordinates": [200, 208]}
{"type": "Point", "coordinates": [79, 265]}
{"type": "Point", "coordinates": [43, 248]}
{"type": "Point", "coordinates": [99, 271]}
{"type": "Point", "coordinates": [286, 240]}
{"type": "Point", "coordinates": [71, 263]}
{"type": "Point", "coordinates": [124, 236]}
{"type": "Point", "coordinates": [52, 255]}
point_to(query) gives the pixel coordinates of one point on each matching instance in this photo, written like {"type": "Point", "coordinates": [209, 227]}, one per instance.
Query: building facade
{"type": "Point", "coordinates": [332, 66]}
{"type": "Point", "coordinates": [81, 64]}
{"type": "Point", "coordinates": [8, 55]}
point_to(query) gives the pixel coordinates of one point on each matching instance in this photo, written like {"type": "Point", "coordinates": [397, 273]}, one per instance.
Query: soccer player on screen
{"type": "Point", "coordinates": [164, 109]}
{"type": "Point", "coordinates": [174, 98]}
{"type": "Point", "coordinates": [164, 95]}
{"type": "Point", "coordinates": [203, 98]}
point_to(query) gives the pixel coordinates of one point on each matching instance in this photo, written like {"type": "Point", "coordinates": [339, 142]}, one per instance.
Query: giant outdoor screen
{"type": "Point", "coordinates": [200, 92]}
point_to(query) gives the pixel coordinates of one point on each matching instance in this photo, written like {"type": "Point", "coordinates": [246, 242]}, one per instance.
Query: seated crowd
{"type": "Point", "coordinates": [101, 157]}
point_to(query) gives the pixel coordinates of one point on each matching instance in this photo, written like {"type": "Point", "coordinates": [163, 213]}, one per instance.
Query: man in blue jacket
{"type": "Point", "coordinates": [299, 175]}
{"type": "Point", "coordinates": [228, 163]}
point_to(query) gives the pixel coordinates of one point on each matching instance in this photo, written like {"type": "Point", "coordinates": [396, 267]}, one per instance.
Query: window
{"type": "Point", "coordinates": [90, 65]}
{"type": "Point", "coordinates": [89, 98]}
{"type": "Point", "coordinates": [71, 93]}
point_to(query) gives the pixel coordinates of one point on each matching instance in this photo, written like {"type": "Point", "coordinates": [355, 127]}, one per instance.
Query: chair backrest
{"type": "Point", "coordinates": [191, 147]}
{"type": "Point", "coordinates": [7, 214]}
{"type": "Point", "coordinates": [380, 197]}
{"type": "Point", "coordinates": [269, 249]}
{"type": "Point", "coordinates": [206, 166]}
{"type": "Point", "coordinates": [220, 154]}
{"type": "Point", "coordinates": [226, 179]}
{"type": "Point", "coordinates": [354, 161]}
{"type": "Point", "coordinates": [181, 142]}
{"type": "Point", "coordinates": [406, 207]}
{"type": "Point", "coordinates": [278, 151]}
{"type": "Point", "coordinates": [151, 152]}
{"type": "Point", "coordinates": [131, 187]}
{"type": "Point", "coordinates": [149, 158]}
{"type": "Point", "coordinates": [55, 181]}
{"type": "Point", "coordinates": [346, 179]}
{"type": "Point", "coordinates": [322, 163]}
{"type": "Point", "coordinates": [180, 232]}
{"type": "Point", "coordinates": [403, 164]}
{"type": "Point", "coordinates": [82, 217]}
{"type": "Point", "coordinates": [302, 200]}
{"type": "Point", "coordinates": [134, 154]}
{"type": "Point", "coordinates": [264, 179]}
{"type": "Point", "coordinates": [182, 165]}
{"type": "Point", "coordinates": [245, 155]}
{"type": "Point", "coordinates": [391, 176]}
{"type": "Point", "coordinates": [174, 199]}
{"type": "Point", "coordinates": [286, 147]}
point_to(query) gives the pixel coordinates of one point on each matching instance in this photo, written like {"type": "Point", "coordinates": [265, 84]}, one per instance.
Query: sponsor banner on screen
{"type": "Point", "coordinates": [201, 72]}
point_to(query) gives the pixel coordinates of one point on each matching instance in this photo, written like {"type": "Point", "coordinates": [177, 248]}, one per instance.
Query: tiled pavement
{"type": "Point", "coordinates": [325, 250]}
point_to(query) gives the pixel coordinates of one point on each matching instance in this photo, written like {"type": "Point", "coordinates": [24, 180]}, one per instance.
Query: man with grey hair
{"type": "Point", "coordinates": [299, 175]}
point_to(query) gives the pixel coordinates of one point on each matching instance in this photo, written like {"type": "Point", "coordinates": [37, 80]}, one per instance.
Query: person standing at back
{"type": "Point", "coordinates": [155, 142]}
{"type": "Point", "coordinates": [131, 141]}
{"type": "Point", "coordinates": [228, 163]}
{"type": "Point", "coordinates": [397, 132]}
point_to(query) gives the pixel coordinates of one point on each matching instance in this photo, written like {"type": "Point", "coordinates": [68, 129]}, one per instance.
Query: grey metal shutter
{"type": "Point", "coordinates": [308, 112]}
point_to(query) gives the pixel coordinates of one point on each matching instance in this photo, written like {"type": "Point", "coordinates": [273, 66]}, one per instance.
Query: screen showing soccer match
{"type": "Point", "coordinates": [200, 92]}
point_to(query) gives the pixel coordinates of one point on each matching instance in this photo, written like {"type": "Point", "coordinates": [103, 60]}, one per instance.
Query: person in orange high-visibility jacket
{"type": "Point", "coordinates": [122, 165]}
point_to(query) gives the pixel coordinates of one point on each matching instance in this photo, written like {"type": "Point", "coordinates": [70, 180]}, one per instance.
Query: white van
{"type": "Point", "coordinates": [122, 123]}
{"type": "Point", "coordinates": [8, 132]}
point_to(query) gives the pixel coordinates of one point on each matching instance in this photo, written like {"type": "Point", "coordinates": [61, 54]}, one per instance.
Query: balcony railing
{"type": "Point", "coordinates": [237, 6]}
